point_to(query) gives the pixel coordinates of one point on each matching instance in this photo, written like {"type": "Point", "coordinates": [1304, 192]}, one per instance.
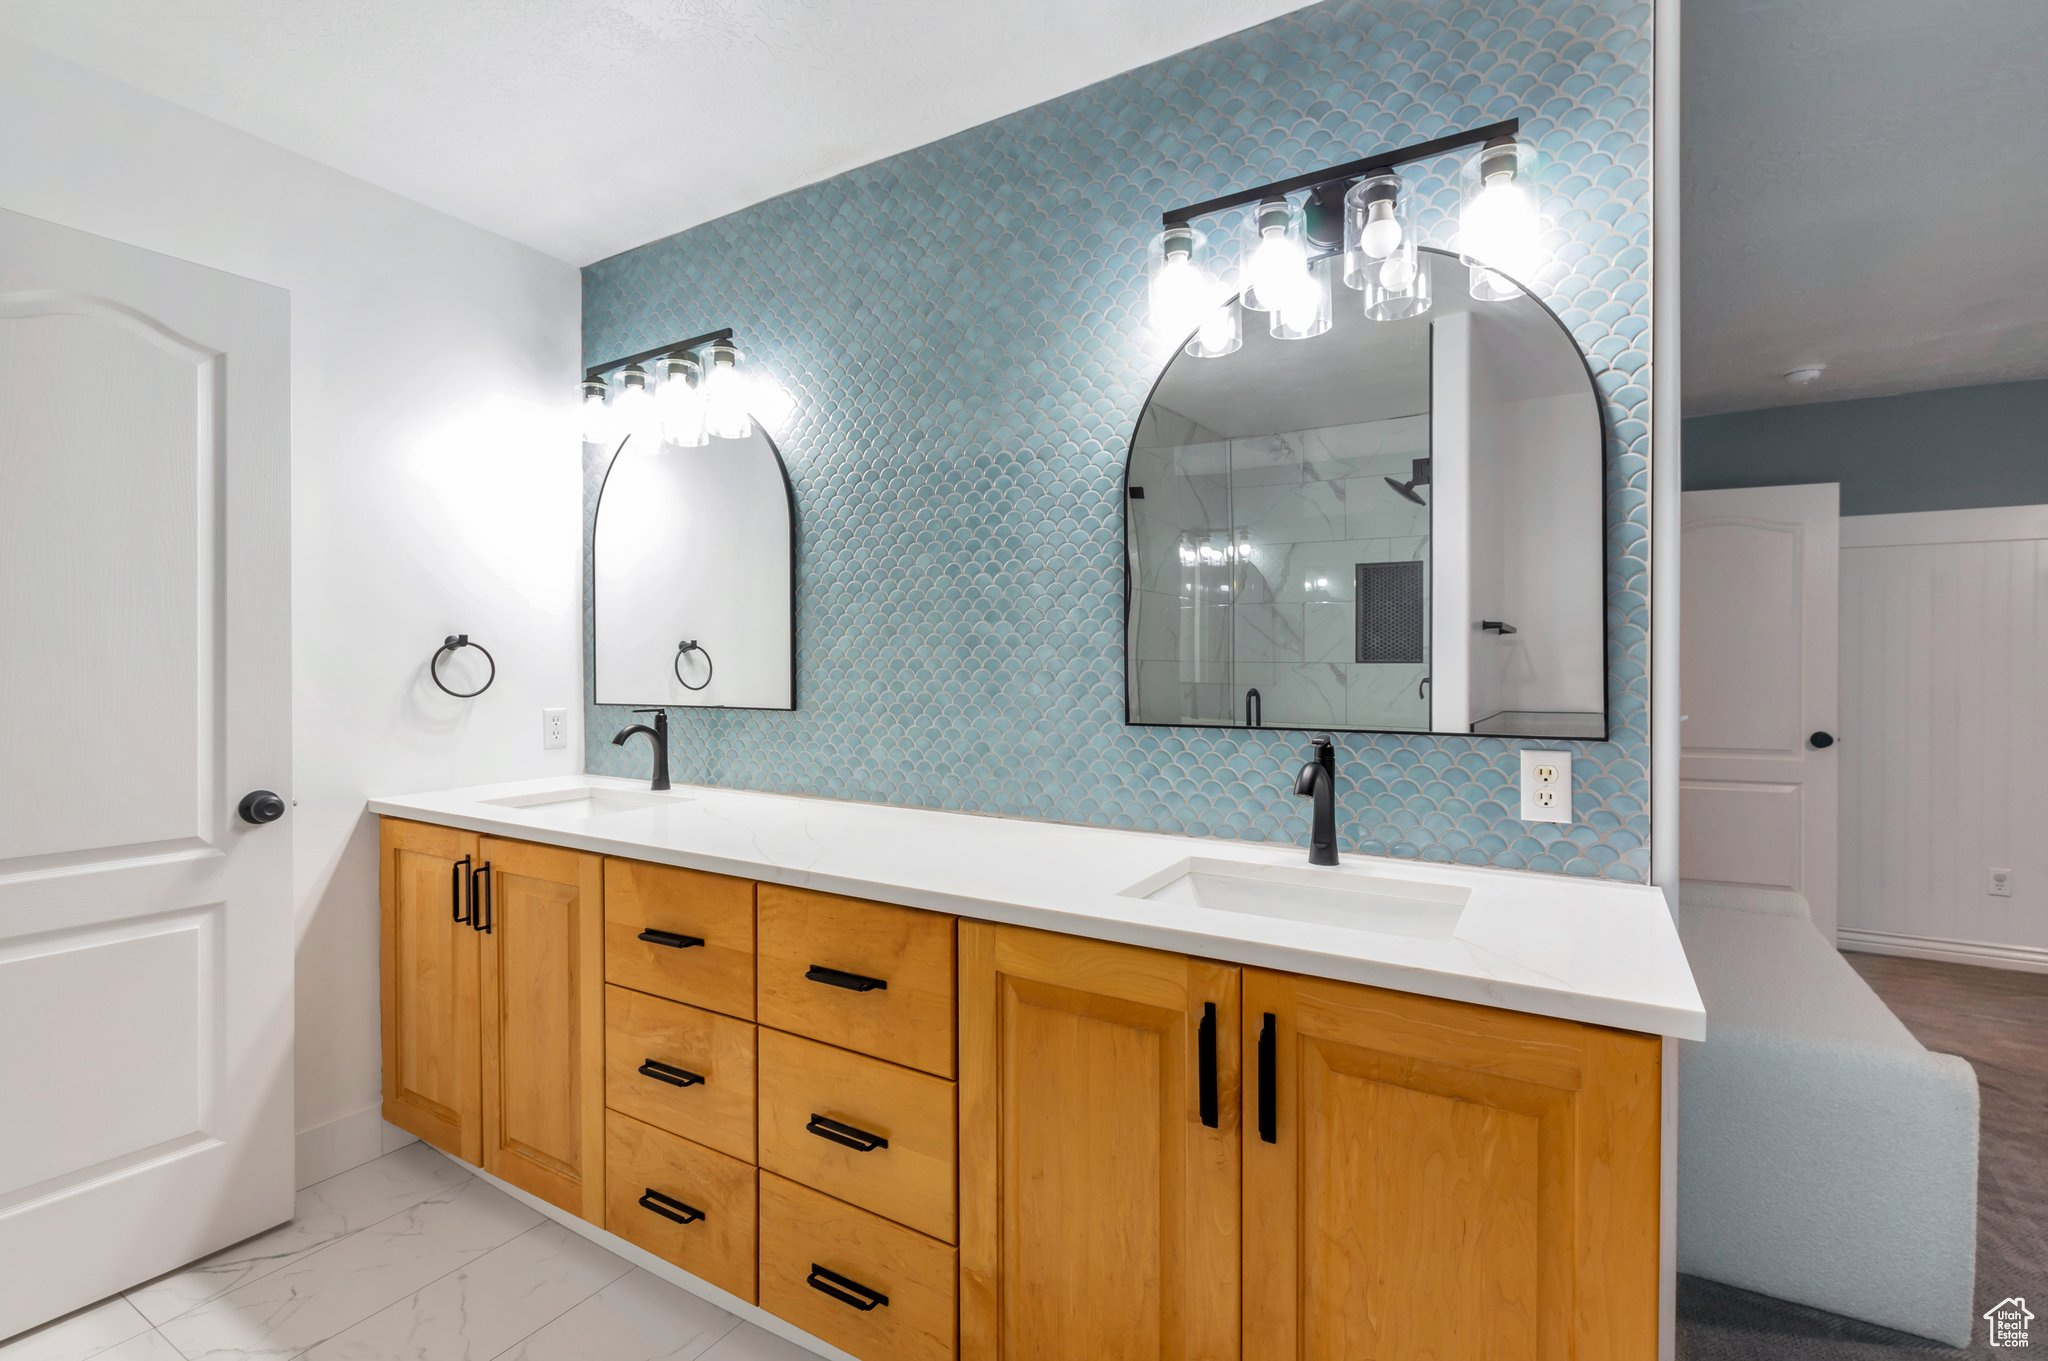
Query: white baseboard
{"type": "Point", "coordinates": [2024, 958]}
{"type": "Point", "coordinates": [674, 1275]}
{"type": "Point", "coordinates": [346, 1141]}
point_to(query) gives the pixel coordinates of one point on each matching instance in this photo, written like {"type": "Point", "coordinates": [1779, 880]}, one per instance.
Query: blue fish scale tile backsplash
{"type": "Point", "coordinates": [962, 327]}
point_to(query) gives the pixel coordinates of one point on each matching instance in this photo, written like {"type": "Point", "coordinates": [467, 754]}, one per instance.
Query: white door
{"type": "Point", "coordinates": [1760, 614]}
{"type": "Point", "coordinates": [146, 934]}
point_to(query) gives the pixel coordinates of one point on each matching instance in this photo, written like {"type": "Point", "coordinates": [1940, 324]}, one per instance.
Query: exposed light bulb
{"type": "Point", "coordinates": [597, 416]}
{"type": "Point", "coordinates": [1181, 289]}
{"type": "Point", "coordinates": [1499, 227]}
{"type": "Point", "coordinates": [1381, 235]}
{"type": "Point", "coordinates": [681, 401]}
{"type": "Point", "coordinates": [1221, 333]}
{"type": "Point", "coordinates": [725, 396]}
{"type": "Point", "coordinates": [1397, 275]}
{"type": "Point", "coordinates": [1303, 311]}
{"type": "Point", "coordinates": [633, 408]}
{"type": "Point", "coordinates": [1279, 262]}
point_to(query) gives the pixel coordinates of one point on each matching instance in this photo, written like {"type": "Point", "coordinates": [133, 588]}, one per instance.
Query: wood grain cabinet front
{"type": "Point", "coordinates": [681, 934]}
{"type": "Point", "coordinates": [431, 963]}
{"type": "Point", "coordinates": [684, 1203]}
{"type": "Point", "coordinates": [687, 1070]}
{"type": "Point", "coordinates": [543, 1021]}
{"type": "Point", "coordinates": [871, 1287]}
{"type": "Point", "coordinates": [860, 975]}
{"type": "Point", "coordinates": [873, 1133]}
{"type": "Point", "coordinates": [1098, 1151]}
{"type": "Point", "coordinates": [1425, 1178]}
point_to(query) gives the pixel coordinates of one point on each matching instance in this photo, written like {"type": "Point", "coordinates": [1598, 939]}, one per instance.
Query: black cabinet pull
{"type": "Point", "coordinates": [857, 1139]}
{"type": "Point", "coordinates": [674, 940]}
{"type": "Point", "coordinates": [839, 978]}
{"type": "Point", "coordinates": [845, 1291]}
{"type": "Point", "coordinates": [1205, 1059]}
{"type": "Point", "coordinates": [668, 1207]}
{"type": "Point", "coordinates": [1269, 1080]}
{"type": "Point", "coordinates": [458, 872]}
{"type": "Point", "coordinates": [673, 1076]}
{"type": "Point", "coordinates": [481, 908]}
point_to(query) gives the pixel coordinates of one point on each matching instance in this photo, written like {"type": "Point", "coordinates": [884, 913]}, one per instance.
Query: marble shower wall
{"type": "Point", "coordinates": [962, 328]}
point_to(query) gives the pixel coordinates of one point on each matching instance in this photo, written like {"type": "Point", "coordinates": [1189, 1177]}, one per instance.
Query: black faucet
{"type": "Point", "coordinates": [1318, 781]}
{"type": "Point", "coordinates": [659, 732]}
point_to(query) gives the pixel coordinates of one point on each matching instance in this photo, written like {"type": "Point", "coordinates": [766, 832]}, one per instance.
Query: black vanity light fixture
{"type": "Point", "coordinates": [1352, 222]}
{"type": "Point", "coordinates": [687, 393]}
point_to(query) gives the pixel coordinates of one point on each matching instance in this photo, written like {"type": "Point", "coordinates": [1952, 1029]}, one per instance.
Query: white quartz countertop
{"type": "Point", "coordinates": [1581, 949]}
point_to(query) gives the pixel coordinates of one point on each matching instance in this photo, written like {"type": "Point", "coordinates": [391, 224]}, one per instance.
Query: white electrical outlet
{"type": "Point", "coordinates": [2000, 885]}
{"type": "Point", "coordinates": [1546, 786]}
{"type": "Point", "coordinates": [554, 729]}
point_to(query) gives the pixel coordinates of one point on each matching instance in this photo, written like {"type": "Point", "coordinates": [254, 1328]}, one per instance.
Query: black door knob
{"type": "Point", "coordinates": [1821, 741]}
{"type": "Point", "coordinates": [260, 806]}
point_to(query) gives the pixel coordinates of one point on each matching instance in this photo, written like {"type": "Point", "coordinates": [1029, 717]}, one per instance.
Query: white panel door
{"type": "Point", "coordinates": [146, 935]}
{"type": "Point", "coordinates": [1758, 629]}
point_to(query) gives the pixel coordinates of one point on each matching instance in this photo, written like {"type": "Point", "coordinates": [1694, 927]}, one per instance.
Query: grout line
{"type": "Point", "coordinates": [630, 1269]}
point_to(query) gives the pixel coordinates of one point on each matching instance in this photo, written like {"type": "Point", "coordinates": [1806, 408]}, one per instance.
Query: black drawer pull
{"type": "Point", "coordinates": [668, 1207]}
{"type": "Point", "coordinates": [1269, 1080]}
{"type": "Point", "coordinates": [674, 940]}
{"type": "Point", "coordinates": [482, 911]}
{"type": "Point", "coordinates": [673, 1076]}
{"type": "Point", "coordinates": [845, 1291]}
{"type": "Point", "coordinates": [460, 871]}
{"type": "Point", "coordinates": [1205, 1063]}
{"type": "Point", "coordinates": [857, 1139]}
{"type": "Point", "coordinates": [839, 978]}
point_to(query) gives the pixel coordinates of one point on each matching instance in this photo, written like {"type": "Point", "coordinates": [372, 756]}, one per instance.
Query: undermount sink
{"type": "Point", "coordinates": [589, 800]}
{"type": "Point", "coordinates": [1354, 902]}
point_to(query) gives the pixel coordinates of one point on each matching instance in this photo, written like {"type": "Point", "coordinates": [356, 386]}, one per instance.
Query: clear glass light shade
{"type": "Point", "coordinates": [1181, 289]}
{"type": "Point", "coordinates": [1304, 310]}
{"type": "Point", "coordinates": [1499, 229]}
{"type": "Point", "coordinates": [680, 400]}
{"type": "Point", "coordinates": [1277, 261]}
{"type": "Point", "coordinates": [726, 414]}
{"type": "Point", "coordinates": [633, 409]}
{"type": "Point", "coordinates": [597, 415]}
{"type": "Point", "coordinates": [1221, 332]}
{"type": "Point", "coordinates": [1380, 250]}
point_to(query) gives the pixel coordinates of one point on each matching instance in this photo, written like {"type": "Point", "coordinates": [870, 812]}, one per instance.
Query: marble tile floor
{"type": "Point", "coordinates": [412, 1258]}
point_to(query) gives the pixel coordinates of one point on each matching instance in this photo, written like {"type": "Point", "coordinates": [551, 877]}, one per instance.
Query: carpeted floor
{"type": "Point", "coordinates": [1998, 1020]}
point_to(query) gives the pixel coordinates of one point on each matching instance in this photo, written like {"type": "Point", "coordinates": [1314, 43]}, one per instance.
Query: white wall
{"type": "Point", "coordinates": [436, 488]}
{"type": "Point", "coordinates": [1944, 734]}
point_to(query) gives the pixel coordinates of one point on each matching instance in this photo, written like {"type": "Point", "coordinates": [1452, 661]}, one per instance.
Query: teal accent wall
{"type": "Point", "coordinates": [1948, 449]}
{"type": "Point", "coordinates": [963, 329]}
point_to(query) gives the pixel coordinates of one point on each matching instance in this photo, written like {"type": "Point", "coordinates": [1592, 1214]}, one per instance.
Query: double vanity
{"type": "Point", "coordinates": [927, 1085]}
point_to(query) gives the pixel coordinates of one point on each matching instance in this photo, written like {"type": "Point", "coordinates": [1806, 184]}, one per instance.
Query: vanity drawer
{"type": "Point", "coordinates": [861, 975]}
{"type": "Point", "coordinates": [875, 1289]}
{"type": "Point", "coordinates": [860, 1129]}
{"type": "Point", "coordinates": [654, 1182]}
{"type": "Point", "coordinates": [681, 934]}
{"type": "Point", "coordinates": [687, 1070]}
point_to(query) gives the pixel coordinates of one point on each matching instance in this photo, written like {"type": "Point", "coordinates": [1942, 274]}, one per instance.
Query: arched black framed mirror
{"type": "Point", "coordinates": [1394, 526]}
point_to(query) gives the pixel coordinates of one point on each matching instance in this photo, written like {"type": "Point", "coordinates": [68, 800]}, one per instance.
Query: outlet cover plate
{"type": "Point", "coordinates": [1546, 786]}
{"type": "Point", "coordinates": [554, 729]}
{"type": "Point", "coordinates": [1999, 884]}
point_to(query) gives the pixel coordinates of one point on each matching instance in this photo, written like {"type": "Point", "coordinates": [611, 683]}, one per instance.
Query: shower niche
{"type": "Point", "coordinates": [1394, 526]}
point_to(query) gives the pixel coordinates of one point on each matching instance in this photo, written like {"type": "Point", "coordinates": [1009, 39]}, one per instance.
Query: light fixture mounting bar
{"type": "Point", "coordinates": [673, 347]}
{"type": "Point", "coordinates": [1350, 170]}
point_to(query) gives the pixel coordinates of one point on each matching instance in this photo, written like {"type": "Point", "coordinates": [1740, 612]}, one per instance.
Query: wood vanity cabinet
{"type": "Point", "coordinates": [1425, 1178]}
{"type": "Point", "coordinates": [432, 988]}
{"type": "Point", "coordinates": [920, 1138]}
{"type": "Point", "coordinates": [493, 963]}
{"type": "Point", "coordinates": [1099, 1150]}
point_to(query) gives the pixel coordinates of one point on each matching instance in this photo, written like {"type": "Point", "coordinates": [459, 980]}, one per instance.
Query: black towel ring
{"type": "Point", "coordinates": [692, 645]}
{"type": "Point", "coordinates": [461, 640]}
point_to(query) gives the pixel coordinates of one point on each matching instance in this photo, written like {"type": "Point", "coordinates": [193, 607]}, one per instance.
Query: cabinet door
{"type": "Point", "coordinates": [430, 986]}
{"type": "Point", "coordinates": [543, 1021]}
{"type": "Point", "coordinates": [1427, 1179]}
{"type": "Point", "coordinates": [1098, 1151]}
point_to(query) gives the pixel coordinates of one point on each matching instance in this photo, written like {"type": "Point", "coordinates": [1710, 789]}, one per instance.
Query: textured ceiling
{"type": "Point", "coordinates": [584, 127]}
{"type": "Point", "coordinates": [1865, 186]}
